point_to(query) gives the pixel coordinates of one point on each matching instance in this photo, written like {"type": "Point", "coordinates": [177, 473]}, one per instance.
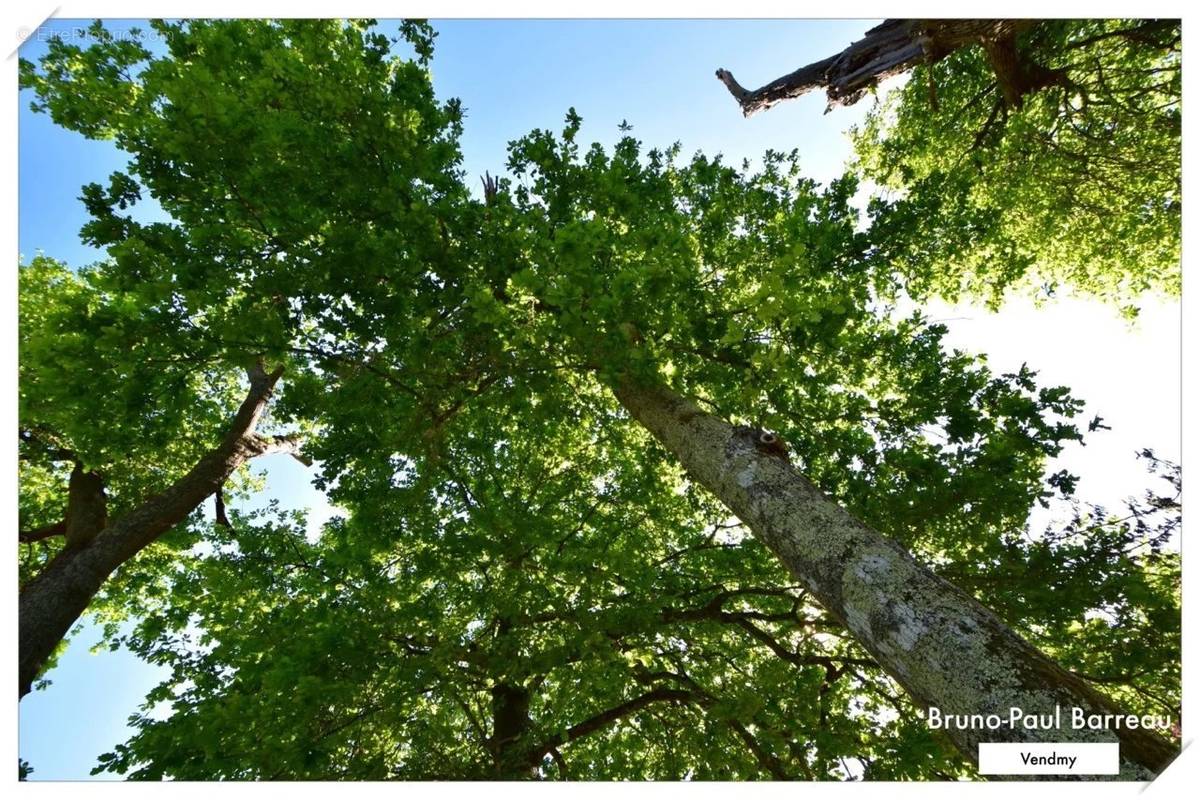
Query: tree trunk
{"type": "Point", "coordinates": [51, 602]}
{"type": "Point", "coordinates": [941, 645]}
{"type": "Point", "coordinates": [896, 46]}
{"type": "Point", "coordinates": [87, 507]}
{"type": "Point", "coordinates": [510, 724]}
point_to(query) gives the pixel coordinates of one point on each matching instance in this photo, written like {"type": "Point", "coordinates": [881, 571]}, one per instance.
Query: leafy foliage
{"type": "Point", "coordinates": [1124, 631]}
{"type": "Point", "coordinates": [1077, 190]}
{"type": "Point", "coordinates": [522, 585]}
{"type": "Point", "coordinates": [91, 353]}
{"type": "Point", "coordinates": [581, 584]}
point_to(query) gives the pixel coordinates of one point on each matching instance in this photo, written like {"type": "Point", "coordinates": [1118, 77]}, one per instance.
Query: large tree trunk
{"type": "Point", "coordinates": [51, 602]}
{"type": "Point", "coordinates": [511, 758]}
{"type": "Point", "coordinates": [939, 643]}
{"type": "Point", "coordinates": [896, 46]}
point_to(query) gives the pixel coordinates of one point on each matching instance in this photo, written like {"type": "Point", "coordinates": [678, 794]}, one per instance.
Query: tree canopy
{"type": "Point", "coordinates": [524, 582]}
{"type": "Point", "coordinates": [1032, 155]}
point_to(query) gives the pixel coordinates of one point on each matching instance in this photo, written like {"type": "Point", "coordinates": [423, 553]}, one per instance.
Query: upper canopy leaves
{"type": "Point", "coordinates": [1078, 189]}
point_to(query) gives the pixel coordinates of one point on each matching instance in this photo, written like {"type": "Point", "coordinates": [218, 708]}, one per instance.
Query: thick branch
{"type": "Point", "coordinates": [290, 444]}
{"type": "Point", "coordinates": [895, 46]}
{"type": "Point", "coordinates": [87, 506]}
{"type": "Point", "coordinates": [510, 721]}
{"type": "Point", "coordinates": [1017, 76]}
{"type": "Point", "coordinates": [51, 603]}
{"type": "Point", "coordinates": [939, 643]}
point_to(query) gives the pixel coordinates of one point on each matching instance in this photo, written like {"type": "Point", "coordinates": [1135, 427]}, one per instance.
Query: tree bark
{"type": "Point", "coordinates": [893, 47]}
{"type": "Point", "coordinates": [941, 645]}
{"type": "Point", "coordinates": [87, 507]}
{"type": "Point", "coordinates": [45, 532]}
{"type": "Point", "coordinates": [510, 724]}
{"type": "Point", "coordinates": [51, 602]}
{"type": "Point", "coordinates": [1017, 76]}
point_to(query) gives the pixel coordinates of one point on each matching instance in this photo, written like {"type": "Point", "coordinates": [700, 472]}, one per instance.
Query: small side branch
{"type": "Point", "coordinates": [219, 511]}
{"type": "Point", "coordinates": [560, 762]}
{"type": "Point", "coordinates": [46, 443]}
{"type": "Point", "coordinates": [609, 716]}
{"type": "Point", "coordinates": [45, 532]}
{"type": "Point", "coordinates": [766, 760]}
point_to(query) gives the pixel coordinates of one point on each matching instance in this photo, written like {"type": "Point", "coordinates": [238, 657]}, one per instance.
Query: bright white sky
{"type": "Point", "coordinates": [1129, 374]}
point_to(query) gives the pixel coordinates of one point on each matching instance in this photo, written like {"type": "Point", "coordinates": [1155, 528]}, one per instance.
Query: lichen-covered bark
{"type": "Point", "coordinates": [938, 642]}
{"type": "Point", "coordinates": [52, 601]}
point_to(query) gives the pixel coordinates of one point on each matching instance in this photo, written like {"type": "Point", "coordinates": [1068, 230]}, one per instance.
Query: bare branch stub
{"type": "Point", "coordinates": [491, 187]}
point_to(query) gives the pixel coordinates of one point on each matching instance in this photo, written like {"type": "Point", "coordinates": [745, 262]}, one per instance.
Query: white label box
{"type": "Point", "coordinates": [1049, 758]}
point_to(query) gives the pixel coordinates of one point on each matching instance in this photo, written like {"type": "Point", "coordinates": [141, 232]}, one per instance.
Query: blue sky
{"type": "Point", "coordinates": [513, 76]}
